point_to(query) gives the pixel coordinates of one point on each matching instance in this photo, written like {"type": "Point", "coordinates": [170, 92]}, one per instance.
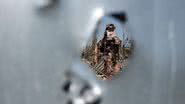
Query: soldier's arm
{"type": "Point", "coordinates": [117, 40]}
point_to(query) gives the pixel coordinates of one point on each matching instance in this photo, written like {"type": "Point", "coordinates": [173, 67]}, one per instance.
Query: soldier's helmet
{"type": "Point", "coordinates": [110, 27]}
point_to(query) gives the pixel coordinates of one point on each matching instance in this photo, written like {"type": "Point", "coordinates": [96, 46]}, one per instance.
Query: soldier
{"type": "Point", "coordinates": [109, 48]}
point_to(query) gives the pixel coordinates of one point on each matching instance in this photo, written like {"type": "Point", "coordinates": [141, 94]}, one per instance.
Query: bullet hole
{"type": "Point", "coordinates": [43, 4]}
{"type": "Point", "coordinates": [66, 86]}
{"type": "Point", "coordinates": [109, 46]}
{"type": "Point", "coordinates": [84, 89]}
{"type": "Point", "coordinates": [121, 16]}
{"type": "Point", "coordinates": [69, 102]}
{"type": "Point", "coordinates": [97, 101]}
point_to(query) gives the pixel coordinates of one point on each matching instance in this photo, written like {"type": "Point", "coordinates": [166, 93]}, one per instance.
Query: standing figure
{"type": "Point", "coordinates": [109, 48]}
